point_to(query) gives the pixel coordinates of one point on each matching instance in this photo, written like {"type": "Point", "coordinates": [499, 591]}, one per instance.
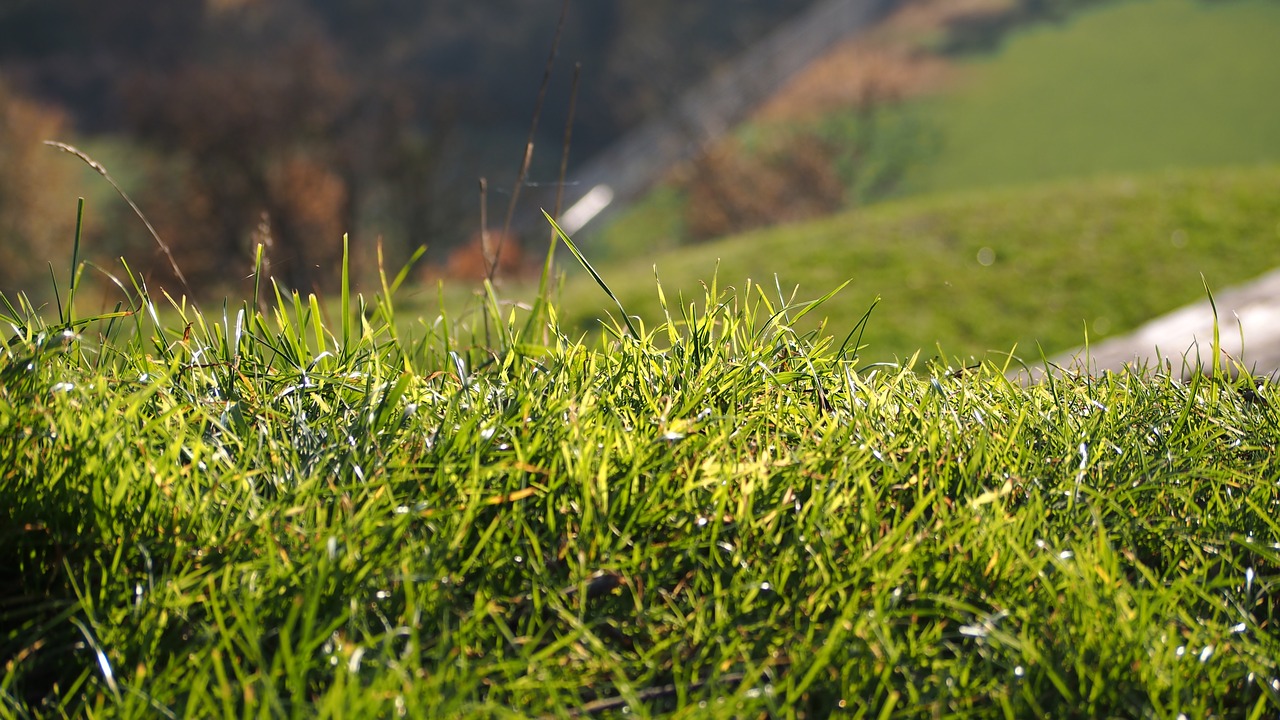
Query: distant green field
{"type": "Point", "coordinates": [1134, 86]}
{"type": "Point", "coordinates": [987, 270]}
{"type": "Point", "coordinates": [1130, 87]}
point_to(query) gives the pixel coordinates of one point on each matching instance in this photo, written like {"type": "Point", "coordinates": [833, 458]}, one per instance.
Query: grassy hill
{"type": "Point", "coordinates": [1134, 86]}
{"type": "Point", "coordinates": [987, 270]}
{"type": "Point", "coordinates": [1128, 87]}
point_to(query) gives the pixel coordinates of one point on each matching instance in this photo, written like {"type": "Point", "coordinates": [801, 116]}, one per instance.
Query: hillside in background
{"type": "Point", "coordinates": [1124, 87]}
{"type": "Point", "coordinates": [985, 271]}
{"type": "Point", "coordinates": [1137, 86]}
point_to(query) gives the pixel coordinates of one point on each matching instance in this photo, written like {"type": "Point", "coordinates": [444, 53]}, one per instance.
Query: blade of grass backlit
{"type": "Point", "coordinates": [809, 306]}
{"type": "Point", "coordinates": [75, 262]}
{"type": "Point", "coordinates": [1217, 341]}
{"type": "Point", "coordinates": [859, 328]}
{"type": "Point", "coordinates": [346, 293]}
{"type": "Point", "coordinates": [595, 275]}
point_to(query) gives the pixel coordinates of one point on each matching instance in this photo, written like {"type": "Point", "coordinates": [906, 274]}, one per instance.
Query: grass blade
{"type": "Point", "coordinates": [582, 260]}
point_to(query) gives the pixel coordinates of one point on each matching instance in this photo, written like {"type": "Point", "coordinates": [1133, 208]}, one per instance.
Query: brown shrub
{"type": "Point", "coordinates": [471, 260]}
{"type": "Point", "coordinates": [309, 201]}
{"type": "Point", "coordinates": [732, 190]}
{"type": "Point", "coordinates": [37, 199]}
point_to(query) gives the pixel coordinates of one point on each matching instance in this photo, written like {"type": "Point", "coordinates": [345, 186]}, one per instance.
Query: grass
{"type": "Point", "coordinates": [1134, 87]}
{"type": "Point", "coordinates": [987, 271]}
{"type": "Point", "coordinates": [1131, 87]}
{"type": "Point", "coordinates": [245, 514]}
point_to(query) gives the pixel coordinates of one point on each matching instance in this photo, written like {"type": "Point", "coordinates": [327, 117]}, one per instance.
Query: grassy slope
{"type": "Point", "coordinates": [1111, 253]}
{"type": "Point", "coordinates": [1129, 87]}
{"type": "Point", "coordinates": [1140, 85]}
{"type": "Point", "coordinates": [214, 520]}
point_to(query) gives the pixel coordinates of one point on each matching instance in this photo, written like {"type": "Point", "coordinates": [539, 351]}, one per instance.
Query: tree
{"type": "Point", "coordinates": [254, 123]}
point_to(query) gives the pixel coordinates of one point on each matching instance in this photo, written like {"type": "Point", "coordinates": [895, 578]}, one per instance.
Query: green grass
{"type": "Point", "coordinates": [653, 224]}
{"type": "Point", "coordinates": [1130, 87]}
{"type": "Point", "coordinates": [1136, 86]}
{"type": "Point", "coordinates": [238, 514]}
{"type": "Point", "coordinates": [1104, 255]}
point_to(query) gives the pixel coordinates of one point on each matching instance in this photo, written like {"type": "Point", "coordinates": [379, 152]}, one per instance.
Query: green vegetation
{"type": "Point", "coordinates": [239, 514]}
{"type": "Point", "coordinates": [653, 224]}
{"type": "Point", "coordinates": [777, 169]}
{"type": "Point", "coordinates": [1127, 87]}
{"type": "Point", "coordinates": [1104, 255]}
{"type": "Point", "coordinates": [1130, 87]}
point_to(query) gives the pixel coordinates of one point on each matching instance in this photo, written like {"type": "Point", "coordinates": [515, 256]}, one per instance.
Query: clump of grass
{"type": "Point", "coordinates": [245, 513]}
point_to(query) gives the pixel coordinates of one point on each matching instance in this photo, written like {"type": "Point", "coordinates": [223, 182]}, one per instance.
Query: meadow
{"type": "Point", "coordinates": [1029, 270]}
{"type": "Point", "coordinates": [1128, 87]}
{"type": "Point", "coordinates": [238, 513]}
{"type": "Point", "coordinates": [1132, 88]}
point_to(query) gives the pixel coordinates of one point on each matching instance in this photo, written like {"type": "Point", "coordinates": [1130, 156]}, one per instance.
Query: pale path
{"type": "Point", "coordinates": [1183, 339]}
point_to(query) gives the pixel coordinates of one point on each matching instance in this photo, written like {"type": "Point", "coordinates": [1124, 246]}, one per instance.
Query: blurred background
{"type": "Point", "coordinates": [292, 122]}
{"type": "Point", "coordinates": [327, 116]}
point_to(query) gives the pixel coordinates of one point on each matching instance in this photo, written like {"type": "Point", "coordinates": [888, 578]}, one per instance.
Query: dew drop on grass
{"type": "Point", "coordinates": [1206, 653]}
{"type": "Point", "coordinates": [766, 586]}
{"type": "Point", "coordinates": [1018, 671]}
{"type": "Point", "coordinates": [701, 521]}
{"type": "Point", "coordinates": [986, 257]}
{"type": "Point", "coordinates": [519, 559]}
